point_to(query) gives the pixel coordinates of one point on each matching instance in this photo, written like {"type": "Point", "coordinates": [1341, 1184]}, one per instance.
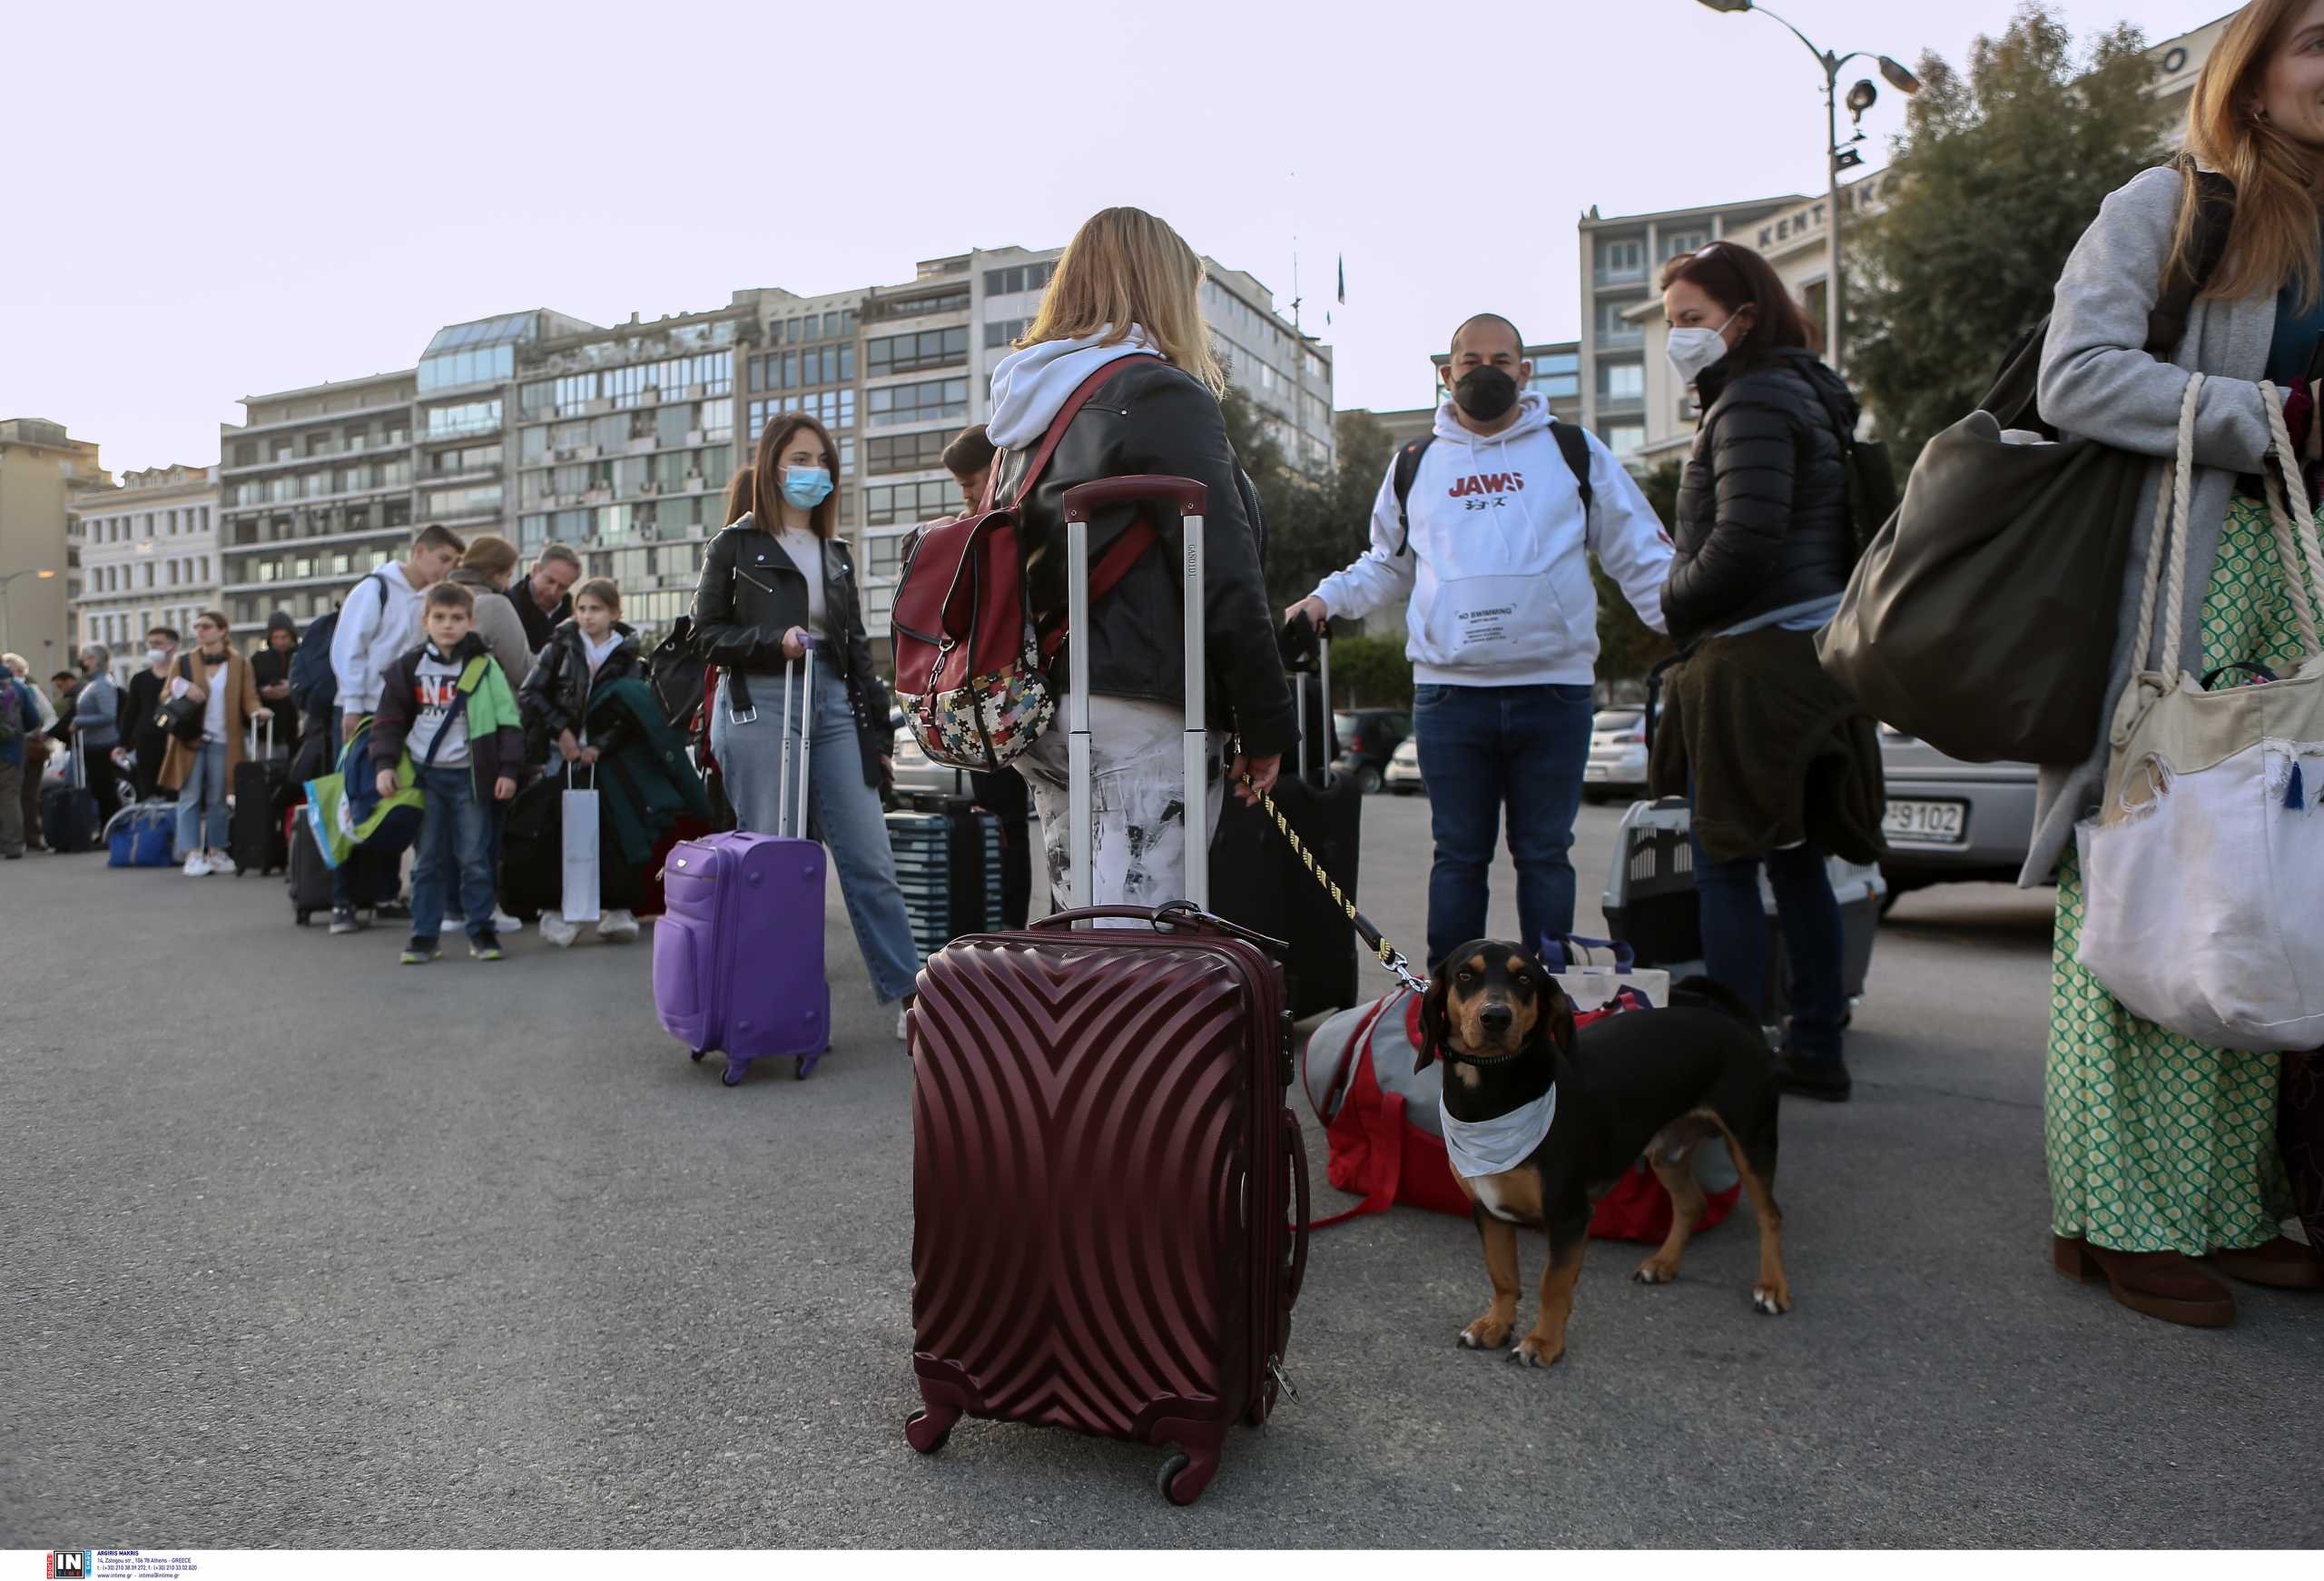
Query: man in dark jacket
{"type": "Point", "coordinates": [270, 664]}
{"type": "Point", "coordinates": [147, 740]}
{"type": "Point", "coordinates": [542, 596]}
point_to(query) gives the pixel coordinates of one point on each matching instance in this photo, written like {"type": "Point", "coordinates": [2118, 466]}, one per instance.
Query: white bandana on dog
{"type": "Point", "coordinates": [1492, 1147]}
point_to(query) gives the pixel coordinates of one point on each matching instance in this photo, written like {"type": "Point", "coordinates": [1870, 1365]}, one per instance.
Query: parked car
{"type": "Point", "coordinates": [916, 772]}
{"type": "Point", "coordinates": [1617, 766]}
{"type": "Point", "coordinates": [1950, 821]}
{"type": "Point", "coordinates": [1368, 738]}
{"type": "Point", "coordinates": [1402, 774]}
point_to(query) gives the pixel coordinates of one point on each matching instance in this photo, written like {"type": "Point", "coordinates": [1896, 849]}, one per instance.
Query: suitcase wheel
{"type": "Point", "coordinates": [299, 917]}
{"type": "Point", "coordinates": [927, 1432]}
{"type": "Point", "coordinates": [1180, 1481]}
{"type": "Point", "coordinates": [693, 1054]}
{"type": "Point", "coordinates": [731, 1076]}
{"type": "Point", "coordinates": [805, 1067]}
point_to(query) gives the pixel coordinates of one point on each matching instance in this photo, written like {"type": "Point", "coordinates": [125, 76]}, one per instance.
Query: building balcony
{"type": "Point", "coordinates": [320, 420]}
{"type": "Point", "coordinates": [296, 541]}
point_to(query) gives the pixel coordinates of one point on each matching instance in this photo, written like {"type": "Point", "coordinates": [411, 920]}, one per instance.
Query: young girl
{"type": "Point", "coordinates": [591, 652]}
{"type": "Point", "coordinates": [778, 574]}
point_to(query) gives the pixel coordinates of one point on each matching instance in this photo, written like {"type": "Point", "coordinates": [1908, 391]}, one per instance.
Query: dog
{"type": "Point", "coordinates": [1657, 1082]}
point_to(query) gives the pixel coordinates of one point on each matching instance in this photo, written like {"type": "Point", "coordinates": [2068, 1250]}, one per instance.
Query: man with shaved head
{"type": "Point", "coordinates": [1487, 526]}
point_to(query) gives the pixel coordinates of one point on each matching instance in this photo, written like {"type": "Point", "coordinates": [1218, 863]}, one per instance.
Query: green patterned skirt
{"type": "Point", "coordinates": [2155, 1143]}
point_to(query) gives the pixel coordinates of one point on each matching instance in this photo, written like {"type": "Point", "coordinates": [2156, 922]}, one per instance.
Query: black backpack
{"type": "Point", "coordinates": [314, 686]}
{"type": "Point", "coordinates": [1573, 444]}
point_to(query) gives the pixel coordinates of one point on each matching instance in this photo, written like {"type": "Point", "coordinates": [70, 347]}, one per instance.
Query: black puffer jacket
{"type": "Point", "coordinates": [750, 593]}
{"type": "Point", "coordinates": [554, 697]}
{"type": "Point", "coordinates": [1763, 518]}
{"type": "Point", "coordinates": [1154, 418]}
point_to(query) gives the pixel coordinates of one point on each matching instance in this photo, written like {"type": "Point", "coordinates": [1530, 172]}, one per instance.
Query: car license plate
{"type": "Point", "coordinates": [1926, 823]}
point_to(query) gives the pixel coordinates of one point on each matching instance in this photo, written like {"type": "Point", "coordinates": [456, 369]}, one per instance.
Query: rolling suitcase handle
{"type": "Point", "coordinates": [783, 812]}
{"type": "Point", "coordinates": [254, 751]}
{"type": "Point", "coordinates": [1192, 498]}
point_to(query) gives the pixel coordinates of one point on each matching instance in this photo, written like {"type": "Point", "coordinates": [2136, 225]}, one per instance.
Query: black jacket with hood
{"type": "Point", "coordinates": [268, 666]}
{"type": "Point", "coordinates": [1763, 509]}
{"type": "Point", "coordinates": [1152, 417]}
{"type": "Point", "coordinates": [554, 697]}
{"type": "Point", "coordinates": [752, 592]}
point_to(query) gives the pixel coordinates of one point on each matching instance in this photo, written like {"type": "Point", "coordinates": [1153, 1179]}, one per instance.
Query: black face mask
{"type": "Point", "coordinates": [1485, 394]}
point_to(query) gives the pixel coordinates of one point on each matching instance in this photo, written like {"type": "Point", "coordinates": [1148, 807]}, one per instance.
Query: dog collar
{"type": "Point", "coordinates": [1492, 1147]}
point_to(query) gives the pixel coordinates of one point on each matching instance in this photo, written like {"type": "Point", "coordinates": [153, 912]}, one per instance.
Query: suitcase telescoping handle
{"type": "Point", "coordinates": [1298, 635]}
{"type": "Point", "coordinates": [1192, 500]}
{"type": "Point", "coordinates": [783, 819]}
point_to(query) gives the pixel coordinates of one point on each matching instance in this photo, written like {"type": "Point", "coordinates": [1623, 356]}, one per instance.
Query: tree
{"type": "Point", "coordinates": [1314, 526]}
{"type": "Point", "coordinates": [1627, 648]}
{"type": "Point", "coordinates": [1997, 175]}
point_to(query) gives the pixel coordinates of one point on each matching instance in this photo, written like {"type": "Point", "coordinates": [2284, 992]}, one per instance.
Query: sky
{"type": "Point", "coordinates": [209, 201]}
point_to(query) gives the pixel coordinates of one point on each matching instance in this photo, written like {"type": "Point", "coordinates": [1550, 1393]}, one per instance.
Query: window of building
{"type": "Point", "coordinates": [1674, 243]}
{"type": "Point", "coordinates": [1621, 381]}
{"type": "Point", "coordinates": [907, 453]}
{"type": "Point", "coordinates": [1623, 438]}
{"type": "Point", "coordinates": [948, 302]}
{"type": "Point", "coordinates": [1001, 333]}
{"type": "Point", "coordinates": [888, 504]}
{"type": "Point", "coordinates": [1620, 261]}
{"type": "Point", "coordinates": [483, 365]}
{"type": "Point", "coordinates": [834, 408]}
{"type": "Point", "coordinates": [1613, 330]}
{"type": "Point", "coordinates": [883, 555]}
{"type": "Point", "coordinates": [937, 401]}
{"type": "Point", "coordinates": [915, 353]}
{"type": "Point", "coordinates": [471, 417]}
{"type": "Point", "coordinates": [1556, 374]}
{"type": "Point", "coordinates": [1017, 278]}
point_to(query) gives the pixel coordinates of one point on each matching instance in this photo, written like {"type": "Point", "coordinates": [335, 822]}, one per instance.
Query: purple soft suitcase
{"type": "Point", "coordinates": [1109, 1197]}
{"type": "Point", "coordinates": [738, 952]}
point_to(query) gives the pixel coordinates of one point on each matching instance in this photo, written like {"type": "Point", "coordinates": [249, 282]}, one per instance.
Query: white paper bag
{"type": "Point", "coordinates": [1594, 987]}
{"type": "Point", "coordinates": [580, 857]}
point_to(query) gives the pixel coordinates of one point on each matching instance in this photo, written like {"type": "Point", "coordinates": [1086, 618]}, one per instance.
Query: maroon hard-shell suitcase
{"type": "Point", "coordinates": [1109, 1194]}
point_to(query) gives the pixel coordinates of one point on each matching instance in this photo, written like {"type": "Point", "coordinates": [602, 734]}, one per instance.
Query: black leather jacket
{"type": "Point", "coordinates": [1153, 418]}
{"type": "Point", "coordinates": [1763, 518]}
{"type": "Point", "coordinates": [555, 693]}
{"type": "Point", "coordinates": [750, 593]}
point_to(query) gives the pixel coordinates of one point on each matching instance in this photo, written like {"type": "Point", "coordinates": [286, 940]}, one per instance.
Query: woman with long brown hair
{"type": "Point", "coordinates": [779, 576]}
{"type": "Point", "coordinates": [2165, 1155]}
{"type": "Point", "coordinates": [1128, 292]}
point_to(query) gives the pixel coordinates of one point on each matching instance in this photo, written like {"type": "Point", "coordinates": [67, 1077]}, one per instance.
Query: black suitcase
{"type": "Point", "coordinates": [1258, 881]}
{"type": "Point", "coordinates": [254, 836]}
{"type": "Point", "coordinates": [948, 864]}
{"type": "Point", "coordinates": [370, 881]}
{"type": "Point", "coordinates": [68, 813]}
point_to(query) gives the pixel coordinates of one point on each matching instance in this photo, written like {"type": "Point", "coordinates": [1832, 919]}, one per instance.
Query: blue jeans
{"type": "Point", "coordinates": [1735, 938]}
{"type": "Point", "coordinates": [843, 811]}
{"type": "Point", "coordinates": [201, 802]}
{"type": "Point", "coordinates": [1480, 747]}
{"type": "Point", "coordinates": [455, 848]}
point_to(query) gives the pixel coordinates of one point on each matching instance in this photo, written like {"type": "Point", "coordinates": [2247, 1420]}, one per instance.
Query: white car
{"type": "Point", "coordinates": [1402, 775]}
{"type": "Point", "coordinates": [1617, 765]}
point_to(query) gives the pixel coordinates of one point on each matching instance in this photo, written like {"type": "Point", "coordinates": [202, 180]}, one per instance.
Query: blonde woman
{"type": "Point", "coordinates": [1128, 291]}
{"type": "Point", "coordinates": [2165, 1164]}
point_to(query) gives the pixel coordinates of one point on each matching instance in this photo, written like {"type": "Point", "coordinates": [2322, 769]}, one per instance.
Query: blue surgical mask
{"type": "Point", "coordinates": [806, 486]}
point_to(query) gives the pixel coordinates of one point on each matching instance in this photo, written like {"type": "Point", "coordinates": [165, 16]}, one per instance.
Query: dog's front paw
{"type": "Point", "coordinates": [1535, 1351]}
{"type": "Point", "coordinates": [1771, 1298]}
{"type": "Point", "coordinates": [1487, 1333]}
{"type": "Point", "coordinates": [1656, 1270]}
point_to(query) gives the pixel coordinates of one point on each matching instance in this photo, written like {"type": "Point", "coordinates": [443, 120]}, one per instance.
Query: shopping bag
{"type": "Point", "coordinates": [2202, 906]}
{"type": "Point", "coordinates": [580, 820]}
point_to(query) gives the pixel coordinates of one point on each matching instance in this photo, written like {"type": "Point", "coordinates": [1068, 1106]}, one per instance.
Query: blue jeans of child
{"type": "Point", "coordinates": [842, 812]}
{"type": "Point", "coordinates": [201, 801]}
{"type": "Point", "coordinates": [1482, 747]}
{"type": "Point", "coordinates": [455, 850]}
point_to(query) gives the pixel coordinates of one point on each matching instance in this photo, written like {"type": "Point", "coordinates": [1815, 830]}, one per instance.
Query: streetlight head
{"type": "Point", "coordinates": [1900, 79]}
{"type": "Point", "coordinates": [1862, 97]}
{"type": "Point", "coordinates": [43, 576]}
{"type": "Point", "coordinates": [1727, 5]}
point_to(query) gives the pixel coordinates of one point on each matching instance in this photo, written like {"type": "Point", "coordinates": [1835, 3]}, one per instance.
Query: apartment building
{"type": "Point", "coordinates": [41, 469]}
{"type": "Point", "coordinates": [148, 556]}
{"type": "Point", "coordinates": [1629, 395]}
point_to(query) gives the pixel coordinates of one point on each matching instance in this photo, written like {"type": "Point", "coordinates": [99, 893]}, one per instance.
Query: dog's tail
{"type": "Point", "coordinates": [1715, 997]}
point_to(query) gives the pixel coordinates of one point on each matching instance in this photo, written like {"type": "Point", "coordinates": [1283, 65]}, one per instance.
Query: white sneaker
{"type": "Point", "coordinates": [197, 865]}
{"type": "Point", "coordinates": [903, 1025]}
{"type": "Point", "coordinates": [503, 924]}
{"type": "Point", "coordinates": [617, 927]}
{"type": "Point", "coordinates": [557, 931]}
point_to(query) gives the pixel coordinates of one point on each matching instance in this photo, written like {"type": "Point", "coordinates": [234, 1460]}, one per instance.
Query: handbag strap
{"type": "Point", "coordinates": [2293, 517]}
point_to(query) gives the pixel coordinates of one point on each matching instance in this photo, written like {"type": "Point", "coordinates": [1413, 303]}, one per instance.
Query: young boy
{"type": "Point", "coordinates": [446, 703]}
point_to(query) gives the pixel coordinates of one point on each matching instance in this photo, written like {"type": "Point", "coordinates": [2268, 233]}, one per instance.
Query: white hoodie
{"type": "Point", "coordinates": [379, 623]}
{"type": "Point", "coordinates": [1498, 570]}
{"type": "Point", "coordinates": [1028, 386]}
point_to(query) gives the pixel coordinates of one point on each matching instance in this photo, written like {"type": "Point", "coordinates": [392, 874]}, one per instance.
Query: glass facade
{"type": "Point", "coordinates": [930, 349]}
{"type": "Point", "coordinates": [1017, 277]}
{"type": "Point", "coordinates": [800, 369]}
{"type": "Point", "coordinates": [888, 504]}
{"type": "Point", "coordinates": [937, 401]}
{"type": "Point", "coordinates": [906, 452]}
{"type": "Point", "coordinates": [450, 369]}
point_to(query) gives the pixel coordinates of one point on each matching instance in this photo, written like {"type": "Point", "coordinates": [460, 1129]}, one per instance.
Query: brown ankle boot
{"type": "Point", "coordinates": [2158, 1284]}
{"type": "Point", "coordinates": [2282, 1264]}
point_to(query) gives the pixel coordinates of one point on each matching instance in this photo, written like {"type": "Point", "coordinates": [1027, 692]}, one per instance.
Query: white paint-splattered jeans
{"type": "Point", "coordinates": [1137, 784]}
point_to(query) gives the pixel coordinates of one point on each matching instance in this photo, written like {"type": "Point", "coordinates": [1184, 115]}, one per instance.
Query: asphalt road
{"type": "Point", "coordinates": [298, 1247]}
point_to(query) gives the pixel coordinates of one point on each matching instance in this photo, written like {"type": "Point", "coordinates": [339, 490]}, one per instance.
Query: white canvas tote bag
{"type": "Point", "coordinates": [2203, 872]}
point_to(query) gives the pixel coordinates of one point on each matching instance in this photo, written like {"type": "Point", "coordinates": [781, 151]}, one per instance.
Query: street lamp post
{"type": "Point", "coordinates": [43, 574]}
{"type": "Point", "coordinates": [1860, 99]}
